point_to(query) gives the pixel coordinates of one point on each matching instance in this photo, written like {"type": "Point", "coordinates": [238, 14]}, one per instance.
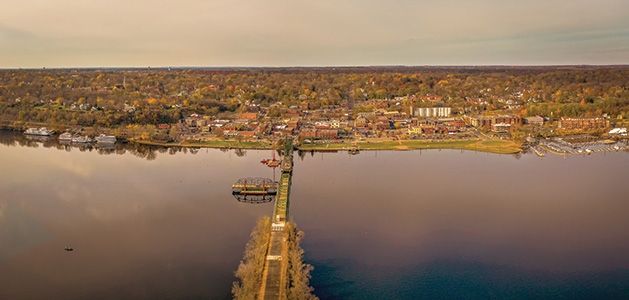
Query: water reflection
{"type": "Point", "coordinates": [161, 229]}
{"type": "Point", "coordinates": [148, 152]}
{"type": "Point", "coordinates": [379, 225]}
{"type": "Point", "coordinates": [458, 224]}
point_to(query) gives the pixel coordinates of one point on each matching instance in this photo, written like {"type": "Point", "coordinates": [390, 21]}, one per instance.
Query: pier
{"type": "Point", "coordinates": [275, 268]}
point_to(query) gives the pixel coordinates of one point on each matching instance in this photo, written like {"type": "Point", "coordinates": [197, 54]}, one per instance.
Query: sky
{"type": "Point", "coordinates": [215, 33]}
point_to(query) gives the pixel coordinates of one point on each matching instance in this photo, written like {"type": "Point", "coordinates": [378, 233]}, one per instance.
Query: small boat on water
{"type": "Point", "coordinates": [106, 139]}
{"type": "Point", "coordinates": [68, 249]}
{"type": "Point", "coordinates": [273, 163]}
{"type": "Point", "coordinates": [39, 131]}
{"type": "Point", "coordinates": [66, 136]}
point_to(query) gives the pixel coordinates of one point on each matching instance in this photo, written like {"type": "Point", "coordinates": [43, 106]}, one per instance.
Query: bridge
{"type": "Point", "coordinates": [276, 266]}
{"type": "Point", "coordinates": [254, 190]}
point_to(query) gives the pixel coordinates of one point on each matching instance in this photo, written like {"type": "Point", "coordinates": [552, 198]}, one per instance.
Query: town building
{"type": "Point", "coordinates": [437, 112]}
{"type": "Point", "coordinates": [536, 120]}
{"type": "Point", "coordinates": [582, 123]}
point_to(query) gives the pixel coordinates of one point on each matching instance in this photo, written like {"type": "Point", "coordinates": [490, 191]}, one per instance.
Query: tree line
{"type": "Point", "coordinates": [161, 95]}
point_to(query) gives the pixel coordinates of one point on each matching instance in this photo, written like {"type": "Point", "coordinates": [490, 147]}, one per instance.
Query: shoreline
{"type": "Point", "coordinates": [494, 146]}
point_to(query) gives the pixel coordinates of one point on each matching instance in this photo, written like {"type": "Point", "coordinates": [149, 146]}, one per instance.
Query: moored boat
{"type": "Point", "coordinates": [106, 139]}
{"type": "Point", "coordinates": [81, 139]}
{"type": "Point", "coordinates": [39, 131]}
{"type": "Point", "coordinates": [66, 136]}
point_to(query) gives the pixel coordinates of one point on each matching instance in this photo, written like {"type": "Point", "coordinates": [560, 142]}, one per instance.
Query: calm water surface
{"type": "Point", "coordinates": [379, 225]}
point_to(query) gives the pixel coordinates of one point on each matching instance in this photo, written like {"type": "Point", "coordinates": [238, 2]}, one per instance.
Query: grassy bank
{"type": "Point", "coordinates": [494, 146]}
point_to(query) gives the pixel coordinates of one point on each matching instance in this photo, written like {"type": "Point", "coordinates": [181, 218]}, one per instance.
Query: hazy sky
{"type": "Point", "coordinates": [82, 33]}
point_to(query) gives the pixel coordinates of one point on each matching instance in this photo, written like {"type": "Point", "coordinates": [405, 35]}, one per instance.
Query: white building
{"type": "Point", "coordinates": [438, 112]}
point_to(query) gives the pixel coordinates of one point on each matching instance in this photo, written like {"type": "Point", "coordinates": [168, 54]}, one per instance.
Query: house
{"type": "Point", "coordinates": [249, 116]}
{"type": "Point", "coordinates": [428, 129]}
{"type": "Point", "coordinates": [453, 122]}
{"type": "Point", "coordinates": [308, 133]}
{"type": "Point", "coordinates": [414, 130]}
{"type": "Point", "coordinates": [322, 125]}
{"type": "Point", "coordinates": [328, 134]}
{"type": "Point", "coordinates": [247, 134]}
{"type": "Point", "coordinates": [383, 123]}
{"type": "Point", "coordinates": [360, 122]}
{"type": "Point", "coordinates": [293, 122]}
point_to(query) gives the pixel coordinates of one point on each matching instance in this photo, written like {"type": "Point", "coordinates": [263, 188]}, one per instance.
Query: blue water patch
{"type": "Point", "coordinates": [338, 279]}
{"type": "Point", "coordinates": [19, 232]}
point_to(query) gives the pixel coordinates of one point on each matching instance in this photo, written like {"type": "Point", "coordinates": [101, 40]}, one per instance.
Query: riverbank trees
{"type": "Point", "coordinates": [298, 279]}
{"type": "Point", "coordinates": [249, 273]}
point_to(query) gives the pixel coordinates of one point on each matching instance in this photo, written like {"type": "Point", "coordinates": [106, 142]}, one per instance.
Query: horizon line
{"type": "Point", "coordinates": [313, 67]}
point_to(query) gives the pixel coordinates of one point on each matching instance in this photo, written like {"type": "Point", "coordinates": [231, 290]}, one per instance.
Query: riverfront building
{"type": "Point", "coordinates": [582, 123]}
{"type": "Point", "coordinates": [489, 121]}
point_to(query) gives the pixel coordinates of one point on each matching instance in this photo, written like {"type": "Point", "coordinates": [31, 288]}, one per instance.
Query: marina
{"type": "Point", "coordinates": [571, 146]}
{"type": "Point", "coordinates": [68, 137]}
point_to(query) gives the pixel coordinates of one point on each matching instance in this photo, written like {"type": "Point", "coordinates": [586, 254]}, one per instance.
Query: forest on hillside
{"type": "Point", "coordinates": [113, 97]}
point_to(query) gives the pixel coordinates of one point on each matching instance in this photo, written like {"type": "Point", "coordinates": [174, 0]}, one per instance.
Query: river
{"type": "Point", "coordinates": [151, 223]}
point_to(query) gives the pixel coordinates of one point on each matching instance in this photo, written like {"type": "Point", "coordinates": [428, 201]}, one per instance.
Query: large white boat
{"type": "Point", "coordinates": [81, 139]}
{"type": "Point", "coordinates": [65, 137]}
{"type": "Point", "coordinates": [106, 139]}
{"type": "Point", "coordinates": [39, 131]}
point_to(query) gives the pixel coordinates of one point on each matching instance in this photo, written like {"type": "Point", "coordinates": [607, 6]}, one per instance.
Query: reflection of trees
{"type": "Point", "coordinates": [152, 155]}
{"type": "Point", "coordinates": [7, 139]}
{"type": "Point", "coordinates": [106, 151]}
{"type": "Point", "coordinates": [240, 152]}
{"type": "Point", "coordinates": [301, 154]}
{"type": "Point", "coordinates": [173, 150]}
{"type": "Point", "coordinates": [148, 152]}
